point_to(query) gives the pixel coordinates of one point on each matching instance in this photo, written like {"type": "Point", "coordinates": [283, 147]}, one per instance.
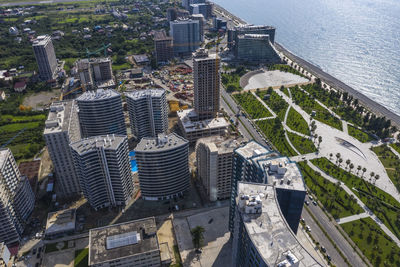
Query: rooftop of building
{"type": "Point", "coordinates": [197, 16]}
{"type": "Point", "coordinates": [252, 149]}
{"type": "Point", "coordinates": [141, 58]}
{"type": "Point", "coordinates": [63, 116]}
{"type": "Point", "coordinates": [4, 154]}
{"type": "Point", "coordinates": [183, 21]}
{"type": "Point", "coordinates": [99, 94]}
{"type": "Point", "coordinates": [29, 169]}
{"type": "Point", "coordinates": [106, 141]}
{"type": "Point", "coordinates": [160, 143]}
{"type": "Point", "coordinates": [254, 27]}
{"type": "Point", "coordinates": [253, 36]}
{"type": "Point", "coordinates": [202, 54]}
{"type": "Point", "coordinates": [122, 240]}
{"type": "Point", "coordinates": [283, 173]}
{"type": "Point", "coordinates": [188, 119]}
{"type": "Point", "coordinates": [138, 94]}
{"type": "Point", "coordinates": [60, 221]}
{"type": "Point", "coordinates": [268, 229]}
{"type": "Point", "coordinates": [94, 60]}
{"type": "Point", "coordinates": [161, 35]}
{"type": "Point", "coordinates": [220, 144]}
{"type": "Point", "coordinates": [42, 40]}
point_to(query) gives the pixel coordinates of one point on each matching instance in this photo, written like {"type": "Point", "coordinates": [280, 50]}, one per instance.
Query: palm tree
{"type": "Point", "coordinates": [319, 140]}
{"type": "Point", "coordinates": [337, 157]}
{"type": "Point", "coordinates": [340, 161]}
{"type": "Point", "coordinates": [372, 174]}
{"type": "Point", "coordinates": [197, 236]}
{"type": "Point", "coordinates": [376, 178]}
{"type": "Point", "coordinates": [347, 163]}
{"type": "Point", "coordinates": [358, 169]}
{"type": "Point", "coordinates": [330, 155]}
{"type": "Point", "coordinates": [351, 166]}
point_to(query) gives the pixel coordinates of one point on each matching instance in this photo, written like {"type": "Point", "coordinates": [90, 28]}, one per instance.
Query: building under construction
{"type": "Point", "coordinates": [95, 73]}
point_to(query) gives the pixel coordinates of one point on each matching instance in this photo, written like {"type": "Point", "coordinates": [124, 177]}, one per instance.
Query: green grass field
{"type": "Point", "coordinates": [391, 163]}
{"type": "Point", "coordinates": [297, 123]}
{"type": "Point", "coordinates": [373, 242]}
{"type": "Point", "coordinates": [251, 105]}
{"type": "Point", "coordinates": [359, 135]}
{"type": "Point", "coordinates": [303, 145]}
{"type": "Point", "coordinates": [275, 102]}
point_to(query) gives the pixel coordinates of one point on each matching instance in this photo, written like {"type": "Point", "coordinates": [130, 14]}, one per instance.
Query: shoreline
{"type": "Point", "coordinates": [325, 77]}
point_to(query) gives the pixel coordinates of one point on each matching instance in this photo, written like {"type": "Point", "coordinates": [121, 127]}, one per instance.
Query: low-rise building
{"type": "Point", "coordinates": [20, 86]}
{"type": "Point", "coordinates": [30, 169]}
{"type": "Point", "coordinates": [5, 255]}
{"type": "Point", "coordinates": [60, 223]}
{"type": "Point", "coordinates": [194, 129]}
{"type": "Point", "coordinates": [132, 243]}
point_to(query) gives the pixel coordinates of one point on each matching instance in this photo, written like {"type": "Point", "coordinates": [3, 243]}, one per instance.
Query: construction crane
{"type": "Point", "coordinates": [73, 90]}
{"type": "Point", "coordinates": [96, 52]}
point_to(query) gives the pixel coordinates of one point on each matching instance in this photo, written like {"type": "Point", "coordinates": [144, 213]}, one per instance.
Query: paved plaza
{"type": "Point", "coordinates": [273, 78]}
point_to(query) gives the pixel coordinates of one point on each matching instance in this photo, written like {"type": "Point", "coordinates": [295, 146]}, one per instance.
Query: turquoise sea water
{"type": "Point", "coordinates": [357, 41]}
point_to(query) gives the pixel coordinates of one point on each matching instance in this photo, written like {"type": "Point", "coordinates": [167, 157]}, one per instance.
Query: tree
{"type": "Point", "coordinates": [330, 155]}
{"type": "Point", "coordinates": [319, 140]}
{"type": "Point", "coordinates": [348, 161]}
{"type": "Point", "coordinates": [340, 161]}
{"type": "Point", "coordinates": [197, 236]}
{"type": "Point", "coordinates": [364, 170]}
{"type": "Point", "coordinates": [351, 166]}
{"type": "Point", "coordinates": [358, 169]}
{"type": "Point", "coordinates": [372, 174]}
{"type": "Point", "coordinates": [376, 178]}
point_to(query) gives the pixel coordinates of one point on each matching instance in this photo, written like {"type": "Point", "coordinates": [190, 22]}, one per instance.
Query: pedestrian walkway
{"type": "Point", "coordinates": [265, 105]}
{"type": "Point", "coordinates": [304, 157]}
{"type": "Point", "coordinates": [345, 128]}
{"type": "Point", "coordinates": [352, 218]}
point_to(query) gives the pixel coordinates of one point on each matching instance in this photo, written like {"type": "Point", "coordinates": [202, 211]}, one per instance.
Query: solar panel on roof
{"type": "Point", "coordinates": [122, 240]}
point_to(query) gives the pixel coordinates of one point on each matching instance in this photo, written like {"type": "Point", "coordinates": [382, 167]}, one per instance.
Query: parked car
{"type": "Point", "coordinates": [315, 203]}
{"type": "Point", "coordinates": [306, 202]}
{"type": "Point", "coordinates": [323, 249]}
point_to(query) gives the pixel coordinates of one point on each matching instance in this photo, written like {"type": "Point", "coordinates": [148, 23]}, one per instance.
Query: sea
{"type": "Point", "coordinates": [356, 41]}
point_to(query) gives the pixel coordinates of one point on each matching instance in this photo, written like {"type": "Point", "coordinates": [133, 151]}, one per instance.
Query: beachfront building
{"type": "Point", "coordinates": [45, 57]}
{"type": "Point", "coordinates": [255, 48]}
{"type": "Point", "coordinates": [148, 112]}
{"type": "Point", "coordinates": [163, 166]}
{"type": "Point", "coordinates": [104, 171]}
{"type": "Point", "coordinates": [261, 235]}
{"type": "Point", "coordinates": [186, 36]}
{"type": "Point", "coordinates": [204, 9]}
{"type": "Point", "coordinates": [17, 199]}
{"type": "Point", "coordinates": [234, 33]}
{"type": "Point", "coordinates": [131, 243]}
{"type": "Point", "coordinates": [61, 129]}
{"type": "Point", "coordinates": [100, 113]}
{"type": "Point", "coordinates": [214, 158]}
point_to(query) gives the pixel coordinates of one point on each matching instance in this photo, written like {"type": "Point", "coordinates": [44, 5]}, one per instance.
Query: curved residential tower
{"type": "Point", "coordinates": [163, 166]}
{"type": "Point", "coordinates": [100, 113]}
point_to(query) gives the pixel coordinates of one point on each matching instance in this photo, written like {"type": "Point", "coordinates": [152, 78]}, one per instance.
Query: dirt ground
{"type": "Point", "coordinates": [46, 165]}
{"type": "Point", "coordinates": [165, 234]}
{"type": "Point", "coordinates": [42, 99]}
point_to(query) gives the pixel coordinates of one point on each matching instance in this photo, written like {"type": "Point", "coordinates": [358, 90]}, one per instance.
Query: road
{"type": "Point", "coordinates": [339, 85]}
{"type": "Point", "coordinates": [334, 234]}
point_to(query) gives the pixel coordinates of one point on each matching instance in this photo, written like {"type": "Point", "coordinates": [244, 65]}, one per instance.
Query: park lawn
{"type": "Point", "coordinates": [13, 127]}
{"type": "Point", "coordinates": [391, 163]}
{"type": "Point", "coordinates": [359, 135]}
{"type": "Point", "coordinates": [296, 122]}
{"type": "Point", "coordinates": [285, 91]}
{"type": "Point", "coordinates": [12, 118]}
{"type": "Point", "coordinates": [252, 106]}
{"type": "Point", "coordinates": [384, 206]}
{"type": "Point", "coordinates": [178, 259]}
{"type": "Point", "coordinates": [286, 68]}
{"type": "Point", "coordinates": [275, 102]}
{"type": "Point", "coordinates": [335, 200]}
{"type": "Point", "coordinates": [275, 133]}
{"type": "Point", "coordinates": [380, 249]}
{"type": "Point", "coordinates": [81, 258]}
{"type": "Point", "coordinates": [396, 146]}
{"type": "Point", "coordinates": [303, 145]}
{"type": "Point", "coordinates": [308, 104]}
{"type": "Point", "coordinates": [123, 66]}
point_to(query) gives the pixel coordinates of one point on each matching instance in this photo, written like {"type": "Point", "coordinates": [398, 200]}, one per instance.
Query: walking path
{"type": "Point", "coordinates": [345, 128]}
{"type": "Point", "coordinates": [394, 151]}
{"type": "Point", "coordinates": [352, 218]}
{"type": "Point", "coordinates": [304, 157]}
{"type": "Point", "coordinates": [359, 202]}
{"type": "Point", "coordinates": [265, 105]}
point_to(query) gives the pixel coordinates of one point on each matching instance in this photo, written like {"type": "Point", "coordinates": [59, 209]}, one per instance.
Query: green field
{"type": "Point", "coordinates": [373, 242]}
{"type": "Point", "coordinates": [396, 146]}
{"type": "Point", "coordinates": [359, 135]}
{"type": "Point", "coordinates": [391, 163]}
{"type": "Point", "coordinates": [275, 102]}
{"type": "Point", "coordinates": [335, 200]}
{"type": "Point", "coordinates": [303, 145]}
{"type": "Point", "coordinates": [251, 105]}
{"type": "Point", "coordinates": [296, 122]}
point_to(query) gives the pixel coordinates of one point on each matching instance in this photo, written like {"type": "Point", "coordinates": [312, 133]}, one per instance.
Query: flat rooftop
{"type": "Point", "coordinates": [268, 229]}
{"type": "Point", "coordinates": [254, 36]}
{"type": "Point", "coordinates": [221, 144]}
{"type": "Point", "coordinates": [61, 221]}
{"type": "Point", "coordinates": [63, 116]}
{"type": "Point", "coordinates": [112, 242]}
{"type": "Point", "coordinates": [252, 149]}
{"type": "Point", "coordinates": [160, 143]}
{"type": "Point", "coordinates": [99, 94]}
{"type": "Point", "coordinates": [106, 141]}
{"type": "Point", "coordinates": [161, 35]}
{"type": "Point", "coordinates": [4, 152]}
{"type": "Point", "coordinates": [139, 94]}
{"type": "Point", "coordinates": [41, 40]}
{"type": "Point", "coordinates": [283, 173]}
{"type": "Point", "coordinates": [187, 118]}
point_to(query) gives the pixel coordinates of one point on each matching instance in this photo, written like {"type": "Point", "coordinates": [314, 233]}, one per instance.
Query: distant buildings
{"type": "Point", "coordinates": [219, 23]}
{"type": "Point", "coordinates": [95, 73]}
{"type": "Point", "coordinates": [163, 166]}
{"type": "Point", "coordinates": [214, 158]}
{"type": "Point", "coordinates": [202, 22]}
{"type": "Point", "coordinates": [255, 163]}
{"type": "Point", "coordinates": [261, 235]}
{"type": "Point", "coordinates": [255, 48]}
{"type": "Point", "coordinates": [148, 112]}
{"type": "Point", "coordinates": [186, 3]}
{"type": "Point", "coordinates": [103, 168]}
{"type": "Point", "coordinates": [206, 78]}
{"type": "Point", "coordinates": [177, 13]}
{"type": "Point", "coordinates": [100, 113]}
{"type": "Point", "coordinates": [163, 46]}
{"type": "Point", "coordinates": [61, 129]}
{"type": "Point", "coordinates": [186, 36]}
{"type": "Point", "coordinates": [17, 199]}
{"type": "Point", "coordinates": [202, 8]}
{"type": "Point", "coordinates": [132, 243]}
{"type": "Point", "coordinates": [45, 57]}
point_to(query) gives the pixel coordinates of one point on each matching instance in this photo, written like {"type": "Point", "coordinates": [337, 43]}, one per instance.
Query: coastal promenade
{"type": "Point", "coordinates": [373, 106]}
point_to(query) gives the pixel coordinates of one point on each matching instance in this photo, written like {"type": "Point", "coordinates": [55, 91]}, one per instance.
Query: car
{"type": "Point", "coordinates": [34, 251]}
{"type": "Point", "coordinates": [303, 157]}
{"type": "Point", "coordinates": [315, 203]}
{"type": "Point", "coordinates": [306, 202]}
{"type": "Point", "coordinates": [310, 197]}
{"type": "Point", "coordinates": [308, 228]}
{"type": "Point", "coordinates": [302, 220]}
{"type": "Point", "coordinates": [328, 257]}
{"type": "Point", "coordinates": [323, 249]}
